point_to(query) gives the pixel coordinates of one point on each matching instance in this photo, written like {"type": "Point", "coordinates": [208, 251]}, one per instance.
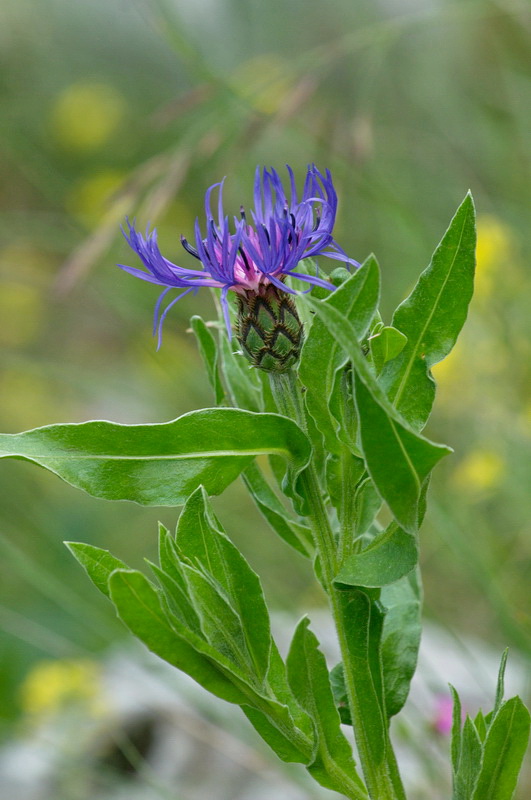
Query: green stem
{"type": "Point", "coordinates": [346, 508]}
{"type": "Point", "coordinates": [352, 614]}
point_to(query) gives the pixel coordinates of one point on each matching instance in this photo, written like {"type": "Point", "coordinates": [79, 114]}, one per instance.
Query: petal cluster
{"type": "Point", "coordinates": [249, 252]}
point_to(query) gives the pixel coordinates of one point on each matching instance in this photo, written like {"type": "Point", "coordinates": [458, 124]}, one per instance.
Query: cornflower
{"type": "Point", "coordinates": [252, 257]}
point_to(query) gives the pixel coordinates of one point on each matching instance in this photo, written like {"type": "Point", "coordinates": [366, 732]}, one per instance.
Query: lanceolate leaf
{"type": "Point", "coordinates": [503, 752]}
{"type": "Point", "coordinates": [500, 686]}
{"type": "Point", "coordinates": [400, 638]}
{"type": "Point", "coordinates": [201, 540]}
{"type": "Point", "coordinates": [432, 317]}
{"type": "Point", "coordinates": [398, 459]}
{"type": "Point", "coordinates": [321, 356]}
{"type": "Point", "coordinates": [455, 749]}
{"type": "Point", "coordinates": [139, 607]}
{"type": "Point", "coordinates": [469, 763]}
{"type": "Point", "coordinates": [295, 534]}
{"type": "Point", "coordinates": [241, 379]}
{"type": "Point", "coordinates": [160, 464]}
{"type": "Point", "coordinates": [97, 563]}
{"type": "Point", "coordinates": [209, 352]}
{"type": "Point", "coordinates": [310, 682]}
{"type": "Point", "coordinates": [393, 554]}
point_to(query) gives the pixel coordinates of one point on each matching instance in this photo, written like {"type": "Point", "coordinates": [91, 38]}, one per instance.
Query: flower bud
{"type": "Point", "coordinates": [269, 329]}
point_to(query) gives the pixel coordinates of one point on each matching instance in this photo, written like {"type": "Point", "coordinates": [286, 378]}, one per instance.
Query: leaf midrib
{"type": "Point", "coordinates": [170, 457]}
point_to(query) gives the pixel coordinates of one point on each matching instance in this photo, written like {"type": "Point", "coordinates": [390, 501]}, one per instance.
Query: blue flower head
{"type": "Point", "coordinates": [250, 252]}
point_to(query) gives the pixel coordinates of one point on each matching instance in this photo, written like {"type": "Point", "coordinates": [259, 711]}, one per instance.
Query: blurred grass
{"type": "Point", "coordinates": [115, 108]}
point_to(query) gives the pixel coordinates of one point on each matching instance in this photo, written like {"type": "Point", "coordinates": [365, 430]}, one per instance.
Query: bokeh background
{"type": "Point", "coordinates": [115, 107]}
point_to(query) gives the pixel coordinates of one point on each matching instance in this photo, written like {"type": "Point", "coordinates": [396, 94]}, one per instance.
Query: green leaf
{"type": "Point", "coordinates": [367, 503]}
{"type": "Point", "coordinates": [310, 682]}
{"type": "Point", "coordinates": [148, 615]}
{"type": "Point", "coordinates": [97, 563]}
{"type": "Point", "coordinates": [400, 644]}
{"type": "Point", "coordinates": [159, 464]}
{"type": "Point", "coordinates": [356, 606]}
{"type": "Point", "coordinates": [481, 725]}
{"type": "Point", "coordinates": [209, 353]}
{"type": "Point", "coordinates": [432, 317]}
{"type": "Point", "coordinates": [177, 595]}
{"type": "Point", "coordinates": [220, 624]}
{"type": "Point", "coordinates": [242, 380]}
{"type": "Point", "coordinates": [139, 607]}
{"type": "Point", "coordinates": [343, 409]}
{"type": "Point", "coordinates": [503, 752]}
{"type": "Point", "coordinates": [297, 535]}
{"type": "Point", "coordinates": [284, 747]}
{"type": "Point", "coordinates": [500, 688]}
{"type": "Point", "coordinates": [321, 355]}
{"type": "Point", "coordinates": [342, 476]}
{"type": "Point", "coordinates": [469, 763]}
{"type": "Point", "coordinates": [201, 540]}
{"type": "Point", "coordinates": [456, 731]}
{"type": "Point", "coordinates": [398, 459]}
{"type": "Point", "coordinates": [266, 701]}
{"type": "Point", "coordinates": [385, 345]}
{"type": "Point", "coordinates": [390, 556]}
{"type": "Point", "coordinates": [339, 690]}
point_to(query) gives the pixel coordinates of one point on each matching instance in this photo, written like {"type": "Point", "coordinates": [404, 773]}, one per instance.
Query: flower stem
{"type": "Point", "coordinates": [352, 616]}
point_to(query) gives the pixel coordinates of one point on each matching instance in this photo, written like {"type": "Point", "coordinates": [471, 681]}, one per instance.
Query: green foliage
{"type": "Point", "coordinates": [209, 352]}
{"type": "Point", "coordinates": [345, 440]}
{"type": "Point", "coordinates": [362, 650]}
{"type": "Point", "coordinates": [432, 317]}
{"type": "Point", "coordinates": [487, 752]}
{"type": "Point", "coordinates": [310, 682]}
{"type": "Point", "coordinates": [243, 385]}
{"type": "Point", "coordinates": [209, 619]}
{"type": "Point", "coordinates": [398, 459]}
{"type": "Point", "coordinates": [402, 627]}
{"type": "Point", "coordinates": [386, 344]}
{"type": "Point", "coordinates": [322, 356]}
{"type": "Point", "coordinates": [389, 557]}
{"type": "Point", "coordinates": [297, 535]}
{"type": "Point", "coordinates": [203, 543]}
{"type": "Point", "coordinates": [159, 464]}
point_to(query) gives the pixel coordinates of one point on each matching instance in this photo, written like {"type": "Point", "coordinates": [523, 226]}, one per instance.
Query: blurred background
{"type": "Point", "coordinates": [115, 107]}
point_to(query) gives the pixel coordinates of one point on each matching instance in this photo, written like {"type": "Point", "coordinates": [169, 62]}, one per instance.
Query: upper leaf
{"type": "Point", "coordinates": [209, 353]}
{"type": "Point", "coordinates": [390, 556]}
{"type": "Point", "coordinates": [385, 345]}
{"type": "Point", "coordinates": [297, 535]}
{"type": "Point", "coordinates": [322, 355]}
{"type": "Point", "coordinates": [398, 459]}
{"type": "Point", "coordinates": [160, 464]}
{"type": "Point", "coordinates": [432, 317]}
